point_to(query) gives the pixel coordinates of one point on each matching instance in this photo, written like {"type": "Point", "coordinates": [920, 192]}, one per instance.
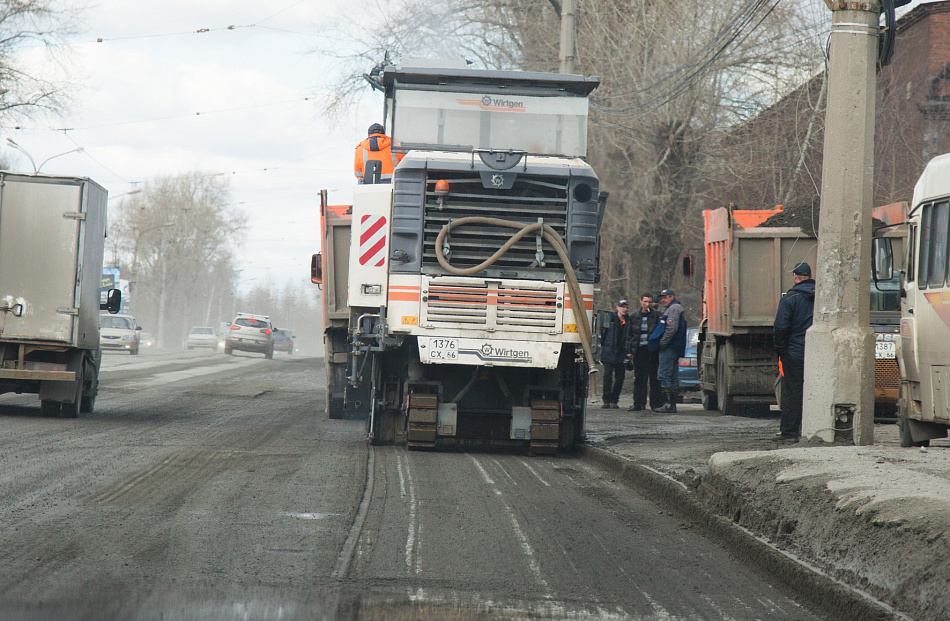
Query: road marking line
{"type": "Point", "coordinates": [161, 379]}
{"type": "Point", "coordinates": [411, 537]}
{"type": "Point", "coordinates": [532, 470]}
{"type": "Point", "coordinates": [306, 516]}
{"type": "Point", "coordinates": [504, 471]}
{"type": "Point", "coordinates": [519, 533]}
{"type": "Point", "coordinates": [402, 480]}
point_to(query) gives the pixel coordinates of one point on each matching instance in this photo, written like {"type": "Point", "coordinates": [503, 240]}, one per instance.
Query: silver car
{"type": "Point", "coordinates": [201, 336]}
{"type": "Point", "coordinates": [119, 332]}
{"type": "Point", "coordinates": [254, 333]}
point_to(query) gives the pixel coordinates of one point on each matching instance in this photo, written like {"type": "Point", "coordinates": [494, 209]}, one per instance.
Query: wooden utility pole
{"type": "Point", "coordinates": [839, 347]}
{"type": "Point", "coordinates": [567, 36]}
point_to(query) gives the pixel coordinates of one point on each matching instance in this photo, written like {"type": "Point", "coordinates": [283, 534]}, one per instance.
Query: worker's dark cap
{"type": "Point", "coordinates": [623, 302]}
{"type": "Point", "coordinates": [667, 292]}
{"type": "Point", "coordinates": [802, 269]}
{"type": "Point", "coordinates": [376, 128]}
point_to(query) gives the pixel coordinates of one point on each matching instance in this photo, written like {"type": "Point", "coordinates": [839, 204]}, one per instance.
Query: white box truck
{"type": "Point", "coordinates": [52, 232]}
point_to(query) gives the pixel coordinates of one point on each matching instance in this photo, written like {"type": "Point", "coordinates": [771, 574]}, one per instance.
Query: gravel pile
{"type": "Point", "coordinates": [806, 217]}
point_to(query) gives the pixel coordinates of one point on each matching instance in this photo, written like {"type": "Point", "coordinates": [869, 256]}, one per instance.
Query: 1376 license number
{"type": "Point", "coordinates": [443, 349]}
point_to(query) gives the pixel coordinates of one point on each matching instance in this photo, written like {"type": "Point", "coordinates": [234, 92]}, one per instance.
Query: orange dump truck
{"type": "Point", "coordinates": [748, 268]}
{"type": "Point", "coordinates": [329, 269]}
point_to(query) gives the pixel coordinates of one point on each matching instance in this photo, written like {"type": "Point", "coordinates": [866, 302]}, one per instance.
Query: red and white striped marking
{"type": "Point", "coordinates": [372, 240]}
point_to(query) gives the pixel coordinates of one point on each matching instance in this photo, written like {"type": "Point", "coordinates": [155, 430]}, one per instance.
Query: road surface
{"type": "Point", "coordinates": [210, 486]}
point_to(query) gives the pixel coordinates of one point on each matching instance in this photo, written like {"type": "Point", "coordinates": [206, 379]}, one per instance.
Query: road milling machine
{"type": "Point", "coordinates": [470, 276]}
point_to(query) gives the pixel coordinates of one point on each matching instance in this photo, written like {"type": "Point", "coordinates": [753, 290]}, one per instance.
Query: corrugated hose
{"type": "Point", "coordinates": [553, 238]}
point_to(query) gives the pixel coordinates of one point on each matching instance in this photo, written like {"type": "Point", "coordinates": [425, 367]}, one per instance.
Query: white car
{"type": "Point", "coordinates": [253, 333]}
{"type": "Point", "coordinates": [119, 332]}
{"type": "Point", "coordinates": [201, 336]}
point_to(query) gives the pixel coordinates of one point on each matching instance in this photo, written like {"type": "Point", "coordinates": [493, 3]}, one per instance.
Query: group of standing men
{"type": "Point", "coordinates": [651, 344]}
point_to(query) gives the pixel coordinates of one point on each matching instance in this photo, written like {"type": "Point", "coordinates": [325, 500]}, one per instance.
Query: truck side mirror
{"type": "Point", "coordinates": [113, 302]}
{"type": "Point", "coordinates": [688, 265]}
{"type": "Point", "coordinates": [882, 259]}
{"type": "Point", "coordinates": [316, 269]}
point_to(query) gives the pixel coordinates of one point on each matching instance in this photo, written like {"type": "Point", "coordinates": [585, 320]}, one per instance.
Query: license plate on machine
{"type": "Point", "coordinates": [443, 349]}
{"type": "Point", "coordinates": [884, 350]}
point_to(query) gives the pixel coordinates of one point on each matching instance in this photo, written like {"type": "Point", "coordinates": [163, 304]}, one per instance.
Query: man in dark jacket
{"type": "Point", "coordinates": [672, 348]}
{"type": "Point", "coordinates": [645, 362]}
{"type": "Point", "coordinates": [613, 354]}
{"type": "Point", "coordinates": [792, 320]}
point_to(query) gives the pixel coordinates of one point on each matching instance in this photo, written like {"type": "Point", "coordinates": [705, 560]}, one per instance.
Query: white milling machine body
{"type": "Point", "coordinates": [471, 275]}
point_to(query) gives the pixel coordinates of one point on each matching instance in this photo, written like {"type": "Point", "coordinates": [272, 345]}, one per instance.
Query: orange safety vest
{"type": "Point", "coordinates": [376, 147]}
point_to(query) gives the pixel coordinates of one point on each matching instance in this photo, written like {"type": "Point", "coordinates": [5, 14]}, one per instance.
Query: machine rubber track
{"type": "Point", "coordinates": [423, 418]}
{"type": "Point", "coordinates": [545, 427]}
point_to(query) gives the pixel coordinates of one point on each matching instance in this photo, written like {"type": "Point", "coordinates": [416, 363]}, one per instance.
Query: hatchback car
{"type": "Point", "coordinates": [201, 336]}
{"type": "Point", "coordinates": [253, 333]}
{"type": "Point", "coordinates": [119, 332]}
{"type": "Point", "coordinates": [688, 369]}
{"type": "Point", "coordinates": [284, 340]}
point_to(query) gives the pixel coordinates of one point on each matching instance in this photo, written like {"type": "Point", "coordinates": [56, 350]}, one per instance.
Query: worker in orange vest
{"type": "Point", "coordinates": [376, 147]}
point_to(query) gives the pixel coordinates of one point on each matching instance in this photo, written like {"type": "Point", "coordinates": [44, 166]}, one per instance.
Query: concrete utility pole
{"type": "Point", "coordinates": [567, 36]}
{"type": "Point", "coordinates": [839, 347]}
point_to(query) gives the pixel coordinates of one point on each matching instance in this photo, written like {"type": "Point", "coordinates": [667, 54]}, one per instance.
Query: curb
{"type": "Point", "coordinates": [806, 583]}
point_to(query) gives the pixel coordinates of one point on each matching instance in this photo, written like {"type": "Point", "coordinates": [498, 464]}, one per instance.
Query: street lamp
{"type": "Point", "coordinates": [36, 169]}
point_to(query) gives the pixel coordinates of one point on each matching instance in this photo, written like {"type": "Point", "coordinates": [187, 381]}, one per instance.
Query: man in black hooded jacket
{"type": "Point", "coordinates": [792, 320]}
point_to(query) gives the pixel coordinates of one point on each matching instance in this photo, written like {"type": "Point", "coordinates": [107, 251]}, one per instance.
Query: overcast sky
{"type": "Point", "coordinates": [257, 92]}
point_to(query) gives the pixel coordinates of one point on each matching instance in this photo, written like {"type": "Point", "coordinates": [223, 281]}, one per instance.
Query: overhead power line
{"type": "Point", "coordinates": [184, 115]}
{"type": "Point", "coordinates": [673, 83]}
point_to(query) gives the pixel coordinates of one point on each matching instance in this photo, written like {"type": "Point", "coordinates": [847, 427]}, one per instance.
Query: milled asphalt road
{"type": "Point", "coordinates": [210, 486]}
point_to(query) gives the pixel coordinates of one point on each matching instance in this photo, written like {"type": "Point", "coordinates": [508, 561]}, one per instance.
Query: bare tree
{"type": "Point", "coordinates": [676, 77]}
{"type": "Point", "coordinates": [32, 23]}
{"type": "Point", "coordinates": [175, 241]}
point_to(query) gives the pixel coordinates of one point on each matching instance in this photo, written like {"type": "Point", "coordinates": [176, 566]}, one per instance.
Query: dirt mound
{"type": "Point", "coordinates": [806, 217]}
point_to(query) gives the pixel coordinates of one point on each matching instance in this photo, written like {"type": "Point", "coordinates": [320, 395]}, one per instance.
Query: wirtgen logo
{"type": "Point", "coordinates": [494, 103]}
{"type": "Point", "coordinates": [489, 353]}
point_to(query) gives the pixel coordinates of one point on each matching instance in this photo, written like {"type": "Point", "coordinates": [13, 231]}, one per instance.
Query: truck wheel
{"type": "Point", "coordinates": [71, 410]}
{"type": "Point", "coordinates": [89, 397]}
{"type": "Point", "coordinates": [50, 409]}
{"type": "Point", "coordinates": [710, 402]}
{"type": "Point", "coordinates": [722, 386]}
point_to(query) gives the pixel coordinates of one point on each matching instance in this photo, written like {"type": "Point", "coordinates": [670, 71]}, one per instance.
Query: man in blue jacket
{"type": "Point", "coordinates": [613, 354]}
{"type": "Point", "coordinates": [792, 320]}
{"type": "Point", "coordinates": [672, 348]}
